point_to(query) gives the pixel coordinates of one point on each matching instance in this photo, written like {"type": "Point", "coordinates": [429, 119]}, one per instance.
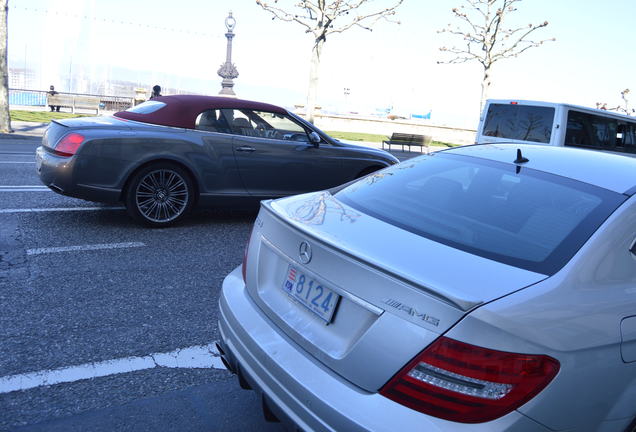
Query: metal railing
{"type": "Point", "coordinates": [37, 98]}
{"type": "Point", "coordinates": [27, 97]}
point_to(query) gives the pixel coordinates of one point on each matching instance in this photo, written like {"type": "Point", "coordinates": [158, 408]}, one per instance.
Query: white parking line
{"type": "Point", "coordinates": [25, 189]}
{"type": "Point", "coordinates": [58, 209]}
{"type": "Point", "coordinates": [16, 162]}
{"type": "Point", "coordinates": [40, 251]}
{"type": "Point", "coordinates": [198, 356]}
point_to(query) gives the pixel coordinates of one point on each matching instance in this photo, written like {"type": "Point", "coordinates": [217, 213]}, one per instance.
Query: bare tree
{"type": "Point", "coordinates": [485, 39]}
{"type": "Point", "coordinates": [5, 119]}
{"type": "Point", "coordinates": [322, 18]}
{"type": "Point", "coordinates": [623, 109]}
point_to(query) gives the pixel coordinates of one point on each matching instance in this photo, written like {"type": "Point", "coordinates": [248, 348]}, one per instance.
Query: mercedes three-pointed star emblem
{"type": "Point", "coordinates": [304, 252]}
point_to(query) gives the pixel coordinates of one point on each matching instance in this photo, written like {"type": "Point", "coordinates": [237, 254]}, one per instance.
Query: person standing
{"type": "Point", "coordinates": [52, 92]}
{"type": "Point", "coordinates": [156, 91]}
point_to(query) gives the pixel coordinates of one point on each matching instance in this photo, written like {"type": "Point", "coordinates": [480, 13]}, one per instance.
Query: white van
{"type": "Point", "coordinates": [519, 121]}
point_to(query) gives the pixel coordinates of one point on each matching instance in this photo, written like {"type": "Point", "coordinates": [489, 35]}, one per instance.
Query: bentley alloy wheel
{"type": "Point", "coordinates": [160, 194]}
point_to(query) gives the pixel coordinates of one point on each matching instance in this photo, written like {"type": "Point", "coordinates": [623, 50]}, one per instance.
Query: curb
{"type": "Point", "coordinates": [19, 136]}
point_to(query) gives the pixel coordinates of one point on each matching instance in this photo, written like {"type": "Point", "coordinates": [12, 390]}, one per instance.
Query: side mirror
{"type": "Point", "coordinates": [314, 138]}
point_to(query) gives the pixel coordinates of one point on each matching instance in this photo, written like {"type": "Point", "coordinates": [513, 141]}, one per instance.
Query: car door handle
{"type": "Point", "coordinates": [245, 149]}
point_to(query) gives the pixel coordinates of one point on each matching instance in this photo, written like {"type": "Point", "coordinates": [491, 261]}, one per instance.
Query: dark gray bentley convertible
{"type": "Point", "coordinates": [164, 156]}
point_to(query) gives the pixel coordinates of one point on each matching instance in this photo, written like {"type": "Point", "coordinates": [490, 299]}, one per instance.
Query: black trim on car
{"type": "Point", "coordinates": [631, 191]}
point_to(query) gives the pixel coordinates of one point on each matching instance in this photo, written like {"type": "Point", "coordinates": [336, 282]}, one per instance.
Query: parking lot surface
{"type": "Point", "coordinates": [107, 325]}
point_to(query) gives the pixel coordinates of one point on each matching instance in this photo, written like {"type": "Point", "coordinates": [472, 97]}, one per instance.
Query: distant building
{"type": "Point", "coordinates": [22, 78]}
{"type": "Point", "coordinates": [30, 79]}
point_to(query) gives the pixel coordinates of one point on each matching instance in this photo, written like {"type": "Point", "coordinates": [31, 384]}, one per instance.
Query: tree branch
{"type": "Point", "coordinates": [485, 33]}
{"type": "Point", "coordinates": [320, 17]}
{"type": "Point", "coordinates": [285, 16]}
{"type": "Point", "coordinates": [324, 17]}
{"type": "Point", "coordinates": [511, 50]}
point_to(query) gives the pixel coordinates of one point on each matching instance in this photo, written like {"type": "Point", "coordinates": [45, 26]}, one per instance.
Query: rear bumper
{"type": "Point", "coordinates": [58, 173]}
{"type": "Point", "coordinates": [308, 395]}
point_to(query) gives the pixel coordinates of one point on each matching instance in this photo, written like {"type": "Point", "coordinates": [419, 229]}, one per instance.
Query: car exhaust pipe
{"type": "Point", "coordinates": [241, 379]}
{"type": "Point", "coordinates": [232, 366]}
{"type": "Point", "coordinates": [56, 188]}
{"type": "Point", "coordinates": [219, 348]}
{"type": "Point", "coordinates": [224, 359]}
{"type": "Point", "coordinates": [227, 364]}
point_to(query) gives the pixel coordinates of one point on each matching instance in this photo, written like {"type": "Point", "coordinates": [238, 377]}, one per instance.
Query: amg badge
{"type": "Point", "coordinates": [411, 311]}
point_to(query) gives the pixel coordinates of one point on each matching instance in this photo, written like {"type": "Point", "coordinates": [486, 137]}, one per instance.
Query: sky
{"type": "Point", "coordinates": [182, 45]}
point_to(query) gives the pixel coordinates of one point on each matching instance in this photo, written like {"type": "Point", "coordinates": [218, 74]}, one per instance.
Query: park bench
{"type": "Point", "coordinates": [408, 140]}
{"type": "Point", "coordinates": [74, 102]}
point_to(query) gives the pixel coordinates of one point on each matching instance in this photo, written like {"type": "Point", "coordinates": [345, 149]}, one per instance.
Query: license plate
{"type": "Point", "coordinates": [311, 293]}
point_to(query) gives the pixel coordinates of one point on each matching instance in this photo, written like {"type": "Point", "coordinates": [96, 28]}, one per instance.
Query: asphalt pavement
{"type": "Point", "coordinates": [106, 325]}
{"type": "Point", "coordinates": [94, 307]}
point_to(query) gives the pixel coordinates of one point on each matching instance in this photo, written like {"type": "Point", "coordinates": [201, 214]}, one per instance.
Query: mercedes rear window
{"type": "Point", "coordinates": [517, 216]}
{"type": "Point", "coordinates": [519, 122]}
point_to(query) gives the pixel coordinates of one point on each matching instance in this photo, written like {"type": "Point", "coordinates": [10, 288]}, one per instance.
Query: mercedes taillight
{"type": "Point", "coordinates": [465, 383]}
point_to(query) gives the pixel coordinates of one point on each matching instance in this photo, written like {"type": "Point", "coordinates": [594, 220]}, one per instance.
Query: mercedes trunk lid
{"type": "Point", "coordinates": [358, 294]}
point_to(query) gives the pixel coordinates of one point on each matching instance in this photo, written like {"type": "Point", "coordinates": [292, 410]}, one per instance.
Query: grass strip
{"type": "Point", "coordinates": [375, 138]}
{"type": "Point", "coordinates": [42, 116]}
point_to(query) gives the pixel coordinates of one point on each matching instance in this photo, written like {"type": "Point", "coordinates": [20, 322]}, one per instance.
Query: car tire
{"type": "Point", "coordinates": [160, 194]}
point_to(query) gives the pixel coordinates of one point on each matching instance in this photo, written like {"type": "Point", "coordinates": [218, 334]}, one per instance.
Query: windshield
{"type": "Point", "coordinates": [529, 219]}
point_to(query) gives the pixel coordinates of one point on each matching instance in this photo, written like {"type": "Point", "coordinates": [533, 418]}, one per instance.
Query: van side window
{"type": "Point", "coordinates": [626, 137]}
{"type": "Point", "coordinates": [587, 130]}
{"type": "Point", "coordinates": [519, 122]}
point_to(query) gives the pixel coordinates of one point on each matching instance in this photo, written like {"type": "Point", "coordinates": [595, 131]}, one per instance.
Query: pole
{"type": "Point", "coordinates": [228, 70]}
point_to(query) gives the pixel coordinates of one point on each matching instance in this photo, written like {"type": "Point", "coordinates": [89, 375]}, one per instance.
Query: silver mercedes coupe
{"type": "Point", "coordinates": [166, 155]}
{"type": "Point", "coordinates": [483, 288]}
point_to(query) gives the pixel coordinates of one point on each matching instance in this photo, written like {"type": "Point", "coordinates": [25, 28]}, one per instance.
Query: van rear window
{"type": "Point", "coordinates": [519, 122]}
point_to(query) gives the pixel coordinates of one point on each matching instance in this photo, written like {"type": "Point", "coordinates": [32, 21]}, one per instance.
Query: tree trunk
{"type": "Point", "coordinates": [5, 120]}
{"type": "Point", "coordinates": [485, 88]}
{"type": "Point", "coordinates": [314, 70]}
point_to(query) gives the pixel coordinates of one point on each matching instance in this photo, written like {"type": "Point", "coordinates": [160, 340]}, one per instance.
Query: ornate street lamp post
{"type": "Point", "coordinates": [228, 71]}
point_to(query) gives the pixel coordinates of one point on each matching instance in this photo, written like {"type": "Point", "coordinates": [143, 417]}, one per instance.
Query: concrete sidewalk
{"type": "Point", "coordinates": [25, 130]}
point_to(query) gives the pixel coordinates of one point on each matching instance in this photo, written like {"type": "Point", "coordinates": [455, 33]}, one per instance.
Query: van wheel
{"type": "Point", "coordinates": [159, 195]}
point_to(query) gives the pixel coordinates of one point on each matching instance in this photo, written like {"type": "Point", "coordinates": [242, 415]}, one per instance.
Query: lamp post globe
{"type": "Point", "coordinates": [230, 22]}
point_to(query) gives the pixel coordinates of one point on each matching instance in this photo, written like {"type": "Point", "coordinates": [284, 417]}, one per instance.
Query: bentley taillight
{"type": "Point", "coordinates": [465, 383]}
{"type": "Point", "coordinates": [69, 144]}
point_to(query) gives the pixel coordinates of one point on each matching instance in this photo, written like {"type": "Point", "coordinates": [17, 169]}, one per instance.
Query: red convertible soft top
{"type": "Point", "coordinates": [182, 110]}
